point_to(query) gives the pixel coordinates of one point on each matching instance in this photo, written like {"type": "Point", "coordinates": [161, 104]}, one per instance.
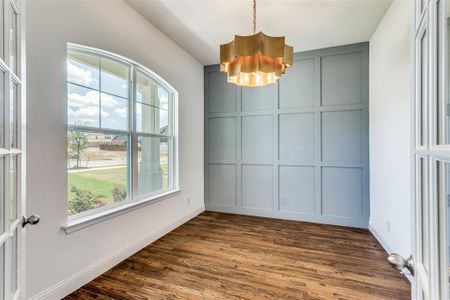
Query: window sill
{"type": "Point", "coordinates": [82, 222]}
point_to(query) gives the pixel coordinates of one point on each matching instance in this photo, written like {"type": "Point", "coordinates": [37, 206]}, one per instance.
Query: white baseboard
{"type": "Point", "coordinates": [379, 239]}
{"type": "Point", "coordinates": [387, 249]}
{"type": "Point", "coordinates": [289, 215]}
{"type": "Point", "coordinates": [77, 280]}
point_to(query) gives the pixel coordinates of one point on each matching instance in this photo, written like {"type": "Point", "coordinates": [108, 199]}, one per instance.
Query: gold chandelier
{"type": "Point", "coordinates": [255, 60]}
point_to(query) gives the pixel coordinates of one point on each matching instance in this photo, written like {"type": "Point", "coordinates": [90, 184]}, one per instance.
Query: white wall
{"type": "Point", "coordinates": [57, 262]}
{"type": "Point", "coordinates": [390, 129]}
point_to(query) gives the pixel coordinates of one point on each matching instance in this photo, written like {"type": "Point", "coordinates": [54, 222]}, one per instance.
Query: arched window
{"type": "Point", "coordinates": [121, 132]}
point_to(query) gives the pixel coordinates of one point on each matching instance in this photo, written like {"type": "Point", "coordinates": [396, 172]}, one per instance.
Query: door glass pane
{"type": "Point", "coordinates": [14, 261]}
{"type": "Point", "coordinates": [153, 164]}
{"type": "Point", "coordinates": [114, 77]}
{"type": "Point", "coordinates": [425, 215]}
{"type": "Point", "coordinates": [1, 29]}
{"type": "Point", "coordinates": [2, 116]}
{"type": "Point", "coordinates": [13, 113]}
{"type": "Point", "coordinates": [444, 193]}
{"type": "Point", "coordinates": [13, 41]}
{"type": "Point", "coordinates": [13, 205]}
{"type": "Point", "coordinates": [13, 188]}
{"type": "Point", "coordinates": [97, 170]}
{"type": "Point", "coordinates": [2, 271]}
{"type": "Point", "coordinates": [2, 194]}
{"type": "Point", "coordinates": [423, 89]}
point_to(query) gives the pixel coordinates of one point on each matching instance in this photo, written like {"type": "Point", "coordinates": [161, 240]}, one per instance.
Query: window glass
{"type": "Point", "coordinates": [152, 106]}
{"type": "Point", "coordinates": [153, 164]}
{"type": "Point", "coordinates": [83, 107]}
{"type": "Point", "coordinates": [114, 112]}
{"type": "Point", "coordinates": [104, 117]}
{"type": "Point", "coordinates": [148, 91]}
{"type": "Point", "coordinates": [114, 78]}
{"type": "Point", "coordinates": [94, 100]}
{"type": "Point", "coordinates": [151, 119]}
{"type": "Point", "coordinates": [97, 170]}
{"type": "Point", "coordinates": [83, 69]}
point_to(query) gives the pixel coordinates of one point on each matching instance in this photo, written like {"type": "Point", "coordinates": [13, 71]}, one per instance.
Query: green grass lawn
{"type": "Point", "coordinates": [102, 182]}
{"type": "Point", "coordinates": [99, 182]}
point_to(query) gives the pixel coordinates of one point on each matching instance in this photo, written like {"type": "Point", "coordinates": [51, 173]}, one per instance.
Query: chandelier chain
{"type": "Point", "coordinates": [254, 16]}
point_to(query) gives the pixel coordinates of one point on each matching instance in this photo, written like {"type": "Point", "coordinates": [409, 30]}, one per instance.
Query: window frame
{"type": "Point", "coordinates": [134, 200]}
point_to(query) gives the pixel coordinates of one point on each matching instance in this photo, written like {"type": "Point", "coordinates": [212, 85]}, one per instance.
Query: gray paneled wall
{"type": "Point", "coordinates": [293, 150]}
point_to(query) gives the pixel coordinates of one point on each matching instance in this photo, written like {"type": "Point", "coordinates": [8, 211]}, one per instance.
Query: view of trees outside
{"type": "Point", "coordinates": [97, 170]}
{"type": "Point", "coordinates": [99, 163]}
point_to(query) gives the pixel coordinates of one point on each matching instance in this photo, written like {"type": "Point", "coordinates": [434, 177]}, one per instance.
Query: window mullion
{"type": "Point", "coordinates": [134, 140]}
{"type": "Point", "coordinates": [170, 153]}
{"type": "Point", "coordinates": [100, 92]}
{"type": "Point", "coordinates": [96, 129]}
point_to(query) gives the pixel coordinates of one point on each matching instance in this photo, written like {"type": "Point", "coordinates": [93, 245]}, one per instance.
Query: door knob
{"type": "Point", "coordinates": [399, 263]}
{"type": "Point", "coordinates": [33, 219]}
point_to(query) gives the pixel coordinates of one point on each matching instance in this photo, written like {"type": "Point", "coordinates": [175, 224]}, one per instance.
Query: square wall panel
{"type": "Point", "coordinates": [342, 192]}
{"type": "Point", "coordinates": [222, 95]}
{"type": "Point", "coordinates": [297, 188]}
{"type": "Point", "coordinates": [297, 137]}
{"type": "Point", "coordinates": [257, 138]}
{"type": "Point", "coordinates": [342, 79]}
{"type": "Point", "coordinates": [259, 98]}
{"type": "Point", "coordinates": [297, 86]}
{"type": "Point", "coordinates": [222, 138]}
{"type": "Point", "coordinates": [222, 184]}
{"type": "Point", "coordinates": [342, 136]}
{"type": "Point", "coordinates": [257, 187]}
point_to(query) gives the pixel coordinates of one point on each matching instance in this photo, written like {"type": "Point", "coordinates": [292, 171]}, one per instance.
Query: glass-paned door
{"type": "Point", "coordinates": [11, 152]}
{"type": "Point", "coordinates": [432, 150]}
{"type": "Point", "coordinates": [422, 219]}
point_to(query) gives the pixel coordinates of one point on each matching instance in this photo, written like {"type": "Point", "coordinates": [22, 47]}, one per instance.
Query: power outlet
{"type": "Point", "coordinates": [283, 201]}
{"type": "Point", "coordinates": [188, 201]}
{"type": "Point", "coordinates": [388, 226]}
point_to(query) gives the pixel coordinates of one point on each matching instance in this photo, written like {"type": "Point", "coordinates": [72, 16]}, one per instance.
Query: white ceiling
{"type": "Point", "coordinates": [200, 26]}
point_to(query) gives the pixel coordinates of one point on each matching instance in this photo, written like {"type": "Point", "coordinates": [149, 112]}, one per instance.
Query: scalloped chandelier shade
{"type": "Point", "coordinates": [255, 60]}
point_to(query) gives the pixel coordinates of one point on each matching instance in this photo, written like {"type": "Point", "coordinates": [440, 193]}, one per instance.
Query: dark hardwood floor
{"type": "Point", "coordinates": [225, 256]}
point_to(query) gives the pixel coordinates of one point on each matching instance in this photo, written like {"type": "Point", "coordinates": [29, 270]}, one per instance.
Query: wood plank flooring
{"type": "Point", "coordinates": [225, 256]}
